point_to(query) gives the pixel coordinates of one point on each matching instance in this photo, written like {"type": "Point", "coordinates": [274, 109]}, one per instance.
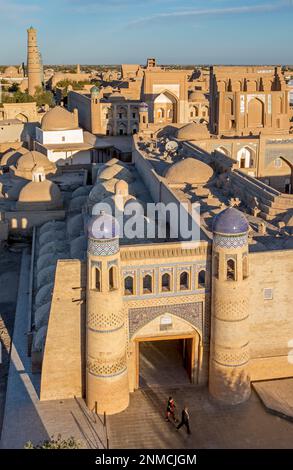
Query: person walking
{"type": "Point", "coordinates": [171, 409]}
{"type": "Point", "coordinates": [184, 420]}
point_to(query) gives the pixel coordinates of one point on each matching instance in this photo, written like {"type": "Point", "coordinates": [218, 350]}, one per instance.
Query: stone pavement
{"type": "Point", "coordinates": [161, 363]}
{"type": "Point", "coordinates": [25, 417]}
{"type": "Point", "coordinates": [213, 426]}
{"type": "Point", "coordinates": [277, 395]}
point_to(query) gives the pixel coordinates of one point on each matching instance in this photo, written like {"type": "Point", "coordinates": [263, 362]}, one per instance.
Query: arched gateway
{"type": "Point", "coordinates": [167, 349]}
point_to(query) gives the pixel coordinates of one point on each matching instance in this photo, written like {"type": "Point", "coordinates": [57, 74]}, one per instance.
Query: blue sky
{"type": "Point", "coordinates": [174, 31]}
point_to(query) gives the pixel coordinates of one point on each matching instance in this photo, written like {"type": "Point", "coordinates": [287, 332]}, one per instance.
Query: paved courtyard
{"type": "Point", "coordinates": [9, 273]}
{"type": "Point", "coordinates": [161, 363]}
{"type": "Point", "coordinates": [249, 425]}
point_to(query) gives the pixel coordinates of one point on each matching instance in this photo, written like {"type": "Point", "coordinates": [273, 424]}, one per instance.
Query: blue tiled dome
{"type": "Point", "coordinates": [230, 221]}
{"type": "Point", "coordinates": [103, 226]}
{"type": "Point", "coordinates": [95, 90]}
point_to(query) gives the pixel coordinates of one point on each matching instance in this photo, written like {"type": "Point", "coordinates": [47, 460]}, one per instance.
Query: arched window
{"type": "Point", "coordinates": [245, 157]}
{"type": "Point", "coordinates": [231, 270]}
{"type": "Point", "coordinates": [255, 113]}
{"type": "Point", "coordinates": [112, 278]}
{"type": "Point", "coordinates": [245, 266]}
{"type": "Point", "coordinates": [204, 111]}
{"type": "Point", "coordinates": [228, 106]}
{"type": "Point", "coordinates": [161, 113]}
{"type": "Point", "coordinates": [184, 281]}
{"type": "Point", "coordinates": [202, 279]}
{"type": "Point", "coordinates": [166, 282]}
{"type": "Point", "coordinates": [128, 285]}
{"type": "Point", "coordinates": [147, 284]}
{"type": "Point", "coordinates": [97, 279]}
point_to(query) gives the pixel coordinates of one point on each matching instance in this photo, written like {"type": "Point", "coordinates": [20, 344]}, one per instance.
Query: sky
{"type": "Point", "coordinates": [129, 31]}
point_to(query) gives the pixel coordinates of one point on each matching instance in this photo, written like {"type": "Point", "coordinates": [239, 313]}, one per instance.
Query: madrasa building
{"type": "Point", "coordinates": [102, 301]}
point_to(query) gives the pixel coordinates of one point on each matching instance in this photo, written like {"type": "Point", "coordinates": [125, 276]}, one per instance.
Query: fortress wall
{"type": "Point", "coordinates": [147, 173]}
{"type": "Point", "coordinates": [62, 371]}
{"type": "Point", "coordinates": [83, 105]}
{"type": "Point", "coordinates": [159, 189]}
{"type": "Point", "coordinates": [271, 321]}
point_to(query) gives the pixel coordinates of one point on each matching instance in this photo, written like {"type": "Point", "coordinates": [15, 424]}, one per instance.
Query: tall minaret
{"type": "Point", "coordinates": [34, 68]}
{"type": "Point", "coordinates": [229, 380]}
{"type": "Point", "coordinates": [107, 388]}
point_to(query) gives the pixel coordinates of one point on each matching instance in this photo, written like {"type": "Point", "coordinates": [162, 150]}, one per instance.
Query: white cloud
{"type": "Point", "coordinates": [268, 7]}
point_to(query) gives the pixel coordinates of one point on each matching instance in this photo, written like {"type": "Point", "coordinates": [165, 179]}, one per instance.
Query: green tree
{"type": "Point", "coordinates": [43, 97]}
{"type": "Point", "coordinates": [14, 87]}
{"type": "Point", "coordinates": [53, 443]}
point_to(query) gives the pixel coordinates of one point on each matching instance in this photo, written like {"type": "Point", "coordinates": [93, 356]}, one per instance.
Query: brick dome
{"type": "Point", "coordinates": [59, 119]}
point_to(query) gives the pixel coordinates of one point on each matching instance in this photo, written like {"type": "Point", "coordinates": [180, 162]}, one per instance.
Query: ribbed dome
{"type": "Point", "coordinates": [193, 131]}
{"type": "Point", "coordinates": [230, 221]}
{"type": "Point", "coordinates": [103, 226]}
{"type": "Point", "coordinates": [30, 161]}
{"type": "Point", "coordinates": [59, 119]}
{"type": "Point", "coordinates": [190, 171]}
{"type": "Point", "coordinates": [43, 195]}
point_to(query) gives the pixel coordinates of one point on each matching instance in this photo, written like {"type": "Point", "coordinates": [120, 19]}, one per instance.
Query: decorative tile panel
{"type": "Point", "coordinates": [103, 247]}
{"type": "Point", "coordinates": [191, 312]}
{"type": "Point", "coordinates": [235, 241]}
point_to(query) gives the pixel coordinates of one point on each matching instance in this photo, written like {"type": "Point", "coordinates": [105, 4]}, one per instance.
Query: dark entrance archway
{"type": "Point", "coordinates": [167, 360]}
